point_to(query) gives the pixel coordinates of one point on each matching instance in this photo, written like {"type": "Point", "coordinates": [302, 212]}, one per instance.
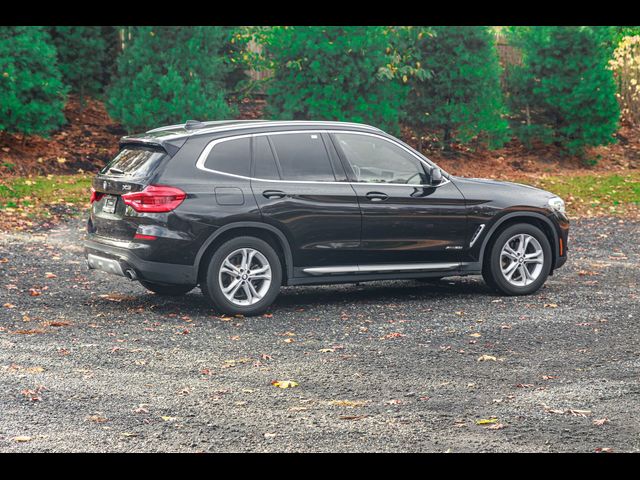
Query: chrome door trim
{"type": "Point", "coordinates": [398, 267]}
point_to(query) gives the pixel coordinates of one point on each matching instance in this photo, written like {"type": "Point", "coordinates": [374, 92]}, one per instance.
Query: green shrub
{"type": "Point", "coordinates": [32, 94]}
{"type": "Point", "coordinates": [332, 73]}
{"type": "Point", "coordinates": [170, 74]}
{"type": "Point", "coordinates": [82, 55]}
{"type": "Point", "coordinates": [460, 98]}
{"type": "Point", "coordinates": [563, 91]}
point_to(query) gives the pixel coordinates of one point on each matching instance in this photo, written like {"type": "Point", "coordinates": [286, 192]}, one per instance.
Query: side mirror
{"type": "Point", "coordinates": [436, 176]}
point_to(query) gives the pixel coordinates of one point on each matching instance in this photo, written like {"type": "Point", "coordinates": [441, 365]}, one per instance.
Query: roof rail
{"type": "Point", "coordinates": [275, 123]}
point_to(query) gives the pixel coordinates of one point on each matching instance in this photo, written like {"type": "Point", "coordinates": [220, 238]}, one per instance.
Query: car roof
{"type": "Point", "coordinates": [171, 137]}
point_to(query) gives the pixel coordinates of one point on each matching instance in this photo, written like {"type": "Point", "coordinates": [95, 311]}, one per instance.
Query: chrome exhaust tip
{"type": "Point", "coordinates": [131, 274]}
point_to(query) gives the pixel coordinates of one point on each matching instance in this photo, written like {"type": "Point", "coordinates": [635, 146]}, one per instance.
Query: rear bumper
{"type": "Point", "coordinates": [123, 262]}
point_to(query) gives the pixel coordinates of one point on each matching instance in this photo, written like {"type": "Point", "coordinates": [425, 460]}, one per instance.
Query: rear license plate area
{"type": "Point", "coordinates": [110, 202]}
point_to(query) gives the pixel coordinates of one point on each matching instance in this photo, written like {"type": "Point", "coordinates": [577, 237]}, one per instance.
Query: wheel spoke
{"type": "Point", "coordinates": [510, 270]}
{"type": "Point", "coordinates": [247, 292]}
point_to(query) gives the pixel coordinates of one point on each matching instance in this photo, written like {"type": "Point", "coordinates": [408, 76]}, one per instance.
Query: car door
{"type": "Point", "coordinates": [405, 219]}
{"type": "Point", "coordinates": [301, 188]}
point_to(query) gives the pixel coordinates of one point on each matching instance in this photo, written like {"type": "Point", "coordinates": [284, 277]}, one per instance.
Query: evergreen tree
{"type": "Point", "coordinates": [461, 99]}
{"type": "Point", "coordinates": [332, 73]}
{"type": "Point", "coordinates": [82, 53]}
{"type": "Point", "coordinates": [32, 94]}
{"type": "Point", "coordinates": [170, 74]}
{"type": "Point", "coordinates": [563, 91]}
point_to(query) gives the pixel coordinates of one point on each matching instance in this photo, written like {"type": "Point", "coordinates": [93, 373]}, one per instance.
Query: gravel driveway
{"type": "Point", "coordinates": [91, 362]}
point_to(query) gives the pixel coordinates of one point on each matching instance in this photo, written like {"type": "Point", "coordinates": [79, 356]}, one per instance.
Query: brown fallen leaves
{"type": "Point", "coordinates": [389, 336]}
{"type": "Point", "coordinates": [568, 411]}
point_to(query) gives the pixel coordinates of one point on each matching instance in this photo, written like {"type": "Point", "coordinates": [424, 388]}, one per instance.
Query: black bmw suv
{"type": "Point", "coordinates": [243, 207]}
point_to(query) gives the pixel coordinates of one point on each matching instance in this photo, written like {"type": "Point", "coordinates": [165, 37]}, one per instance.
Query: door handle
{"type": "Point", "coordinates": [377, 196]}
{"type": "Point", "coordinates": [273, 194]}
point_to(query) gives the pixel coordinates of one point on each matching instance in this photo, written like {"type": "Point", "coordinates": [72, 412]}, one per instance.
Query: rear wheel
{"type": "Point", "coordinates": [165, 289]}
{"type": "Point", "coordinates": [519, 261]}
{"type": "Point", "coordinates": [243, 276]}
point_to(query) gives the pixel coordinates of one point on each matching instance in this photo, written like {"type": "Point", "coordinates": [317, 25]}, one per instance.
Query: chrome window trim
{"type": "Point", "coordinates": [207, 150]}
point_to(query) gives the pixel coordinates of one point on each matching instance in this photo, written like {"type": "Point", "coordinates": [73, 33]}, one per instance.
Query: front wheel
{"type": "Point", "coordinates": [243, 276]}
{"type": "Point", "coordinates": [519, 261]}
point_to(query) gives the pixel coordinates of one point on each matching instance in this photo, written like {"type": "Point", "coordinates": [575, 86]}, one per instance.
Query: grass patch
{"type": "Point", "coordinates": [600, 194]}
{"type": "Point", "coordinates": [53, 189]}
{"type": "Point", "coordinates": [29, 202]}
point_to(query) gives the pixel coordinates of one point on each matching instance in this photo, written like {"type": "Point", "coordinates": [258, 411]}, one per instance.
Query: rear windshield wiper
{"type": "Point", "coordinates": [116, 171]}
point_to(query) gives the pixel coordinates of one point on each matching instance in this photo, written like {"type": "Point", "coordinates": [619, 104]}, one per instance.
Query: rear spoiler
{"type": "Point", "coordinates": [169, 145]}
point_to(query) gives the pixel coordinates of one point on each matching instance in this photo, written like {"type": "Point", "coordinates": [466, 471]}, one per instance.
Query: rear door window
{"type": "Point", "coordinates": [134, 161]}
{"type": "Point", "coordinates": [302, 156]}
{"type": "Point", "coordinates": [230, 156]}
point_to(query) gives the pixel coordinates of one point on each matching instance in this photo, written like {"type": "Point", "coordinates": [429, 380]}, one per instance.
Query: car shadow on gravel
{"type": "Point", "coordinates": [310, 297]}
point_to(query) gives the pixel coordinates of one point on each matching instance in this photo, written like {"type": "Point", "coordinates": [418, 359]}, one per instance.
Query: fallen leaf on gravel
{"type": "Point", "coordinates": [487, 358]}
{"type": "Point", "coordinates": [496, 426]}
{"type": "Point", "coordinates": [269, 435]}
{"type": "Point", "coordinates": [589, 273]}
{"type": "Point", "coordinates": [600, 421]}
{"type": "Point", "coordinates": [389, 336]}
{"type": "Point", "coordinates": [9, 305]}
{"type": "Point", "coordinates": [34, 369]}
{"type": "Point", "coordinates": [34, 331]}
{"type": "Point", "coordinates": [57, 324]}
{"type": "Point", "coordinates": [393, 402]}
{"type": "Point", "coordinates": [548, 377]}
{"type": "Point", "coordinates": [475, 335]}
{"type": "Point", "coordinates": [96, 419]}
{"type": "Point", "coordinates": [21, 439]}
{"type": "Point", "coordinates": [50, 275]}
{"type": "Point", "coordinates": [603, 450]}
{"type": "Point", "coordinates": [117, 297]}
{"type": "Point", "coordinates": [326, 350]}
{"type": "Point", "coordinates": [289, 340]}
{"type": "Point", "coordinates": [33, 292]}
{"type": "Point", "coordinates": [284, 383]}
{"type": "Point", "coordinates": [141, 409]}
{"type": "Point", "coordinates": [166, 418]}
{"type": "Point", "coordinates": [579, 413]}
{"type": "Point", "coordinates": [129, 434]}
{"type": "Point", "coordinates": [550, 305]}
{"type": "Point", "coordinates": [348, 403]}
{"type": "Point", "coordinates": [4, 260]}
{"type": "Point", "coordinates": [486, 421]}
{"type": "Point", "coordinates": [524, 385]}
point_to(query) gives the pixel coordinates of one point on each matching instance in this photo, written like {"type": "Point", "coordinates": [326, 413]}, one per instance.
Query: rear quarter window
{"type": "Point", "coordinates": [135, 162]}
{"type": "Point", "coordinates": [230, 156]}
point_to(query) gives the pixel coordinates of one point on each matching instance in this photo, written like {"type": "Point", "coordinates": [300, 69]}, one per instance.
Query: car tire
{"type": "Point", "coordinates": [519, 260]}
{"type": "Point", "coordinates": [230, 286]}
{"type": "Point", "coordinates": [165, 289]}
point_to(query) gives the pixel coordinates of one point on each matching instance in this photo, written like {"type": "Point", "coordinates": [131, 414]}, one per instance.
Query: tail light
{"type": "Point", "coordinates": [95, 196]}
{"type": "Point", "coordinates": [155, 198]}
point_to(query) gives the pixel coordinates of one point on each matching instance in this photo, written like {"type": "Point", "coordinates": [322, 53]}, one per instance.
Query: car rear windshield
{"type": "Point", "coordinates": [133, 161]}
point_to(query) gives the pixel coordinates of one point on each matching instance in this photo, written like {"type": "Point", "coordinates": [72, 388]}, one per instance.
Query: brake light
{"type": "Point", "coordinates": [140, 236]}
{"type": "Point", "coordinates": [95, 196]}
{"type": "Point", "coordinates": [155, 199]}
